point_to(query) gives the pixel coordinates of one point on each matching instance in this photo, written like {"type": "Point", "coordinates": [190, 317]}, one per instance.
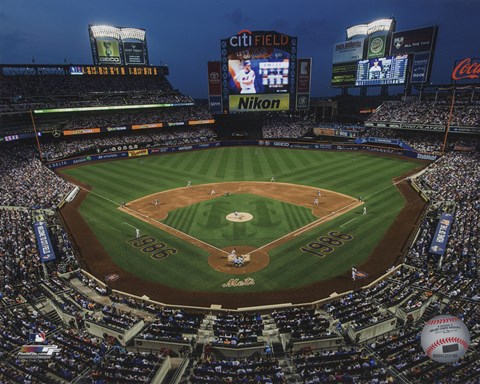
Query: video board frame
{"type": "Point", "coordinates": [258, 70]}
{"type": "Point", "coordinates": [389, 70]}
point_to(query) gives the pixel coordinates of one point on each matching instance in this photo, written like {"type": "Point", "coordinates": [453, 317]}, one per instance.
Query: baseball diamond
{"type": "Point", "coordinates": [307, 259]}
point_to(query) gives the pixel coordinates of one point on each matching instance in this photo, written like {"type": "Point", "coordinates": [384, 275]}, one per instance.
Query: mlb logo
{"type": "Point", "coordinates": [398, 42]}
{"type": "Point", "coordinates": [37, 337]}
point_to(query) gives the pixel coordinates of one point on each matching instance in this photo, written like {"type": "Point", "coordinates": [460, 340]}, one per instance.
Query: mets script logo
{"type": "Point", "coordinates": [111, 277]}
{"type": "Point", "coordinates": [238, 283]}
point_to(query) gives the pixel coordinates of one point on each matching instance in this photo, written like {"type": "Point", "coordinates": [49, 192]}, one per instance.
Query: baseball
{"type": "Point", "coordinates": [445, 339]}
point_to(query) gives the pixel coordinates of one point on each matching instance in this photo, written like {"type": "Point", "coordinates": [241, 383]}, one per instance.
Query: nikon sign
{"type": "Point", "coordinates": [248, 103]}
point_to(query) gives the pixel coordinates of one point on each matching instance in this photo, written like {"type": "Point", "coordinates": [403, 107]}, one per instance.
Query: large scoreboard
{"type": "Point", "coordinates": [375, 55]}
{"type": "Point", "coordinates": [258, 71]}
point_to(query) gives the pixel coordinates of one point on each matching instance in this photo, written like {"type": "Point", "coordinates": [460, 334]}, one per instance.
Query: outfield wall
{"type": "Point", "coordinates": [216, 144]}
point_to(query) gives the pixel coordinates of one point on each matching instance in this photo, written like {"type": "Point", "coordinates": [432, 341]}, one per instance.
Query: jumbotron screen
{"type": "Point", "coordinates": [263, 75]}
{"type": "Point", "coordinates": [257, 71]}
{"type": "Point", "coordinates": [390, 70]}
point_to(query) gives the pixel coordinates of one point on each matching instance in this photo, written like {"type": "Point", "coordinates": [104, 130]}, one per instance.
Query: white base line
{"type": "Point", "coordinates": [146, 218]}
{"type": "Point", "coordinates": [342, 226]}
{"type": "Point", "coordinates": [130, 225]}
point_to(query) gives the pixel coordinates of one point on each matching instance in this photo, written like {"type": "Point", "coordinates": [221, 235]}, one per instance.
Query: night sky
{"type": "Point", "coordinates": [186, 34]}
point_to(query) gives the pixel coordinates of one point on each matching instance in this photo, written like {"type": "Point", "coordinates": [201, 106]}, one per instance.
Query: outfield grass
{"type": "Point", "coordinates": [271, 219]}
{"type": "Point", "coordinates": [350, 173]}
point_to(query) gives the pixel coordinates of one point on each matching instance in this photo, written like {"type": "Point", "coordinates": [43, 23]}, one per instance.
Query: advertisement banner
{"type": "Point", "coordinates": [81, 131]}
{"type": "Point", "coordinates": [413, 40]}
{"type": "Point", "coordinates": [377, 46]}
{"type": "Point", "coordinates": [214, 79]}
{"type": "Point", "coordinates": [440, 239]}
{"type": "Point", "coordinates": [420, 68]}
{"type": "Point", "coordinates": [383, 140]}
{"type": "Point", "coordinates": [324, 131]}
{"type": "Point", "coordinates": [344, 75]}
{"type": "Point", "coordinates": [134, 53]}
{"type": "Point", "coordinates": [108, 51]}
{"type": "Point", "coordinates": [303, 101]}
{"type": "Point", "coordinates": [348, 51]}
{"type": "Point", "coordinates": [113, 129]}
{"type": "Point", "coordinates": [147, 126]}
{"type": "Point", "coordinates": [420, 156]}
{"type": "Point", "coordinates": [138, 152]}
{"type": "Point", "coordinates": [215, 104]}
{"type": "Point", "coordinates": [197, 122]}
{"type": "Point", "coordinates": [239, 103]}
{"type": "Point", "coordinates": [43, 242]}
{"type": "Point", "coordinates": [466, 69]}
{"type": "Point", "coordinates": [304, 75]}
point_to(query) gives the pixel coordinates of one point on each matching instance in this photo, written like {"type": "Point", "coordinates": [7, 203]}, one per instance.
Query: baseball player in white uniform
{"type": "Point", "coordinates": [315, 201]}
{"type": "Point", "coordinates": [246, 78]}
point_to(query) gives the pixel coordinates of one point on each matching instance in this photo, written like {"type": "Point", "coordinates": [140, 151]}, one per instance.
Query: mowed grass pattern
{"type": "Point", "coordinates": [351, 173]}
{"type": "Point", "coordinates": [271, 219]}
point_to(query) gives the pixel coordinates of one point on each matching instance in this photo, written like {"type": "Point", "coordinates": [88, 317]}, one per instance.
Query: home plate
{"type": "Point", "coordinates": [239, 217]}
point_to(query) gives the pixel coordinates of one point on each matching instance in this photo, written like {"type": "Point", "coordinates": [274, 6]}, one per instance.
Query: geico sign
{"type": "Point", "coordinates": [280, 144]}
{"type": "Point", "coordinates": [110, 60]}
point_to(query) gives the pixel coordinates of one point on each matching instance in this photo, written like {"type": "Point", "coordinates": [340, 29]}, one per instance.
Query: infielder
{"type": "Point", "coordinates": [157, 202]}
{"type": "Point", "coordinates": [315, 201]}
{"type": "Point", "coordinates": [272, 179]}
{"type": "Point", "coordinates": [189, 183]}
{"type": "Point", "coordinates": [212, 192]}
{"type": "Point", "coordinates": [319, 193]}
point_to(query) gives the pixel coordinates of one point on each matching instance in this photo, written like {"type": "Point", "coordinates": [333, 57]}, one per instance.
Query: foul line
{"type": "Point", "coordinates": [148, 219]}
{"type": "Point", "coordinates": [129, 225]}
{"type": "Point", "coordinates": [309, 226]}
{"type": "Point", "coordinates": [160, 225]}
{"type": "Point", "coordinates": [349, 221]}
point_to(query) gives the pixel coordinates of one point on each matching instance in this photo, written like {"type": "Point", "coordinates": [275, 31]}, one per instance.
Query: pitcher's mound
{"type": "Point", "coordinates": [239, 217]}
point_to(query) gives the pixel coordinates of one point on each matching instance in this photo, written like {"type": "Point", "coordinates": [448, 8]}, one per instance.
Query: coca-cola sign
{"type": "Point", "coordinates": [468, 68]}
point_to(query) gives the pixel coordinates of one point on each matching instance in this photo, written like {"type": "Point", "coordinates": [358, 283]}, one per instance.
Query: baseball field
{"type": "Point", "coordinates": [172, 241]}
